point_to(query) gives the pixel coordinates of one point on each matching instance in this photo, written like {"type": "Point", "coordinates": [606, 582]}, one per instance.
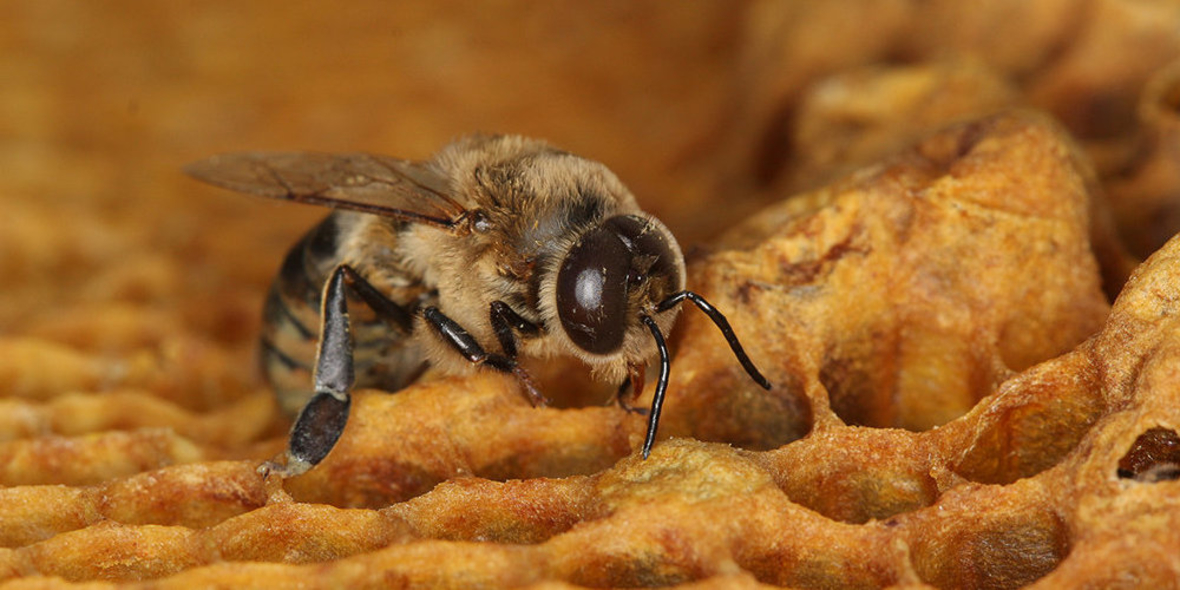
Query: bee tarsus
{"type": "Point", "coordinates": [458, 338]}
{"type": "Point", "coordinates": [319, 426]}
{"type": "Point", "coordinates": [625, 405]}
{"type": "Point", "coordinates": [634, 384]}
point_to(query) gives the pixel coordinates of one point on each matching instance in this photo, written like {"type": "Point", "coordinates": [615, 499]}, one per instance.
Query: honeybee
{"type": "Point", "coordinates": [497, 247]}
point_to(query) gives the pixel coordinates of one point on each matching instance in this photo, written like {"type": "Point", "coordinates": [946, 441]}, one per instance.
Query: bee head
{"type": "Point", "coordinates": [615, 273]}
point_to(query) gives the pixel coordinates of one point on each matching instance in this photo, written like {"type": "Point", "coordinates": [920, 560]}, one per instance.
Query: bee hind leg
{"type": "Point", "coordinates": [322, 419]}
{"type": "Point", "coordinates": [459, 339]}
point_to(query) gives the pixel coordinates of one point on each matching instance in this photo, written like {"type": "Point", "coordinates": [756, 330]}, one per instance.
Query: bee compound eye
{"type": "Point", "coordinates": [651, 253]}
{"type": "Point", "coordinates": [592, 291]}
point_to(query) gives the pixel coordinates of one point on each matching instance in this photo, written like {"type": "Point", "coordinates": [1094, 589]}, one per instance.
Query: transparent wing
{"type": "Point", "coordinates": [361, 182]}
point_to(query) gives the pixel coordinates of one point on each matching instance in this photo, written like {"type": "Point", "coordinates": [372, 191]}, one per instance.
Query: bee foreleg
{"type": "Point", "coordinates": [634, 380]}
{"type": "Point", "coordinates": [459, 339]}
{"type": "Point", "coordinates": [505, 322]}
{"type": "Point", "coordinates": [322, 420]}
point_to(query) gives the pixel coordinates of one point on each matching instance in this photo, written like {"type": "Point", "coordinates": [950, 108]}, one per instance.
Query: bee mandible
{"type": "Point", "coordinates": [497, 247]}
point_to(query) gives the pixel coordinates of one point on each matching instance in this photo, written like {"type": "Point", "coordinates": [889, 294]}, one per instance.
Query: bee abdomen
{"type": "Point", "coordinates": [291, 315]}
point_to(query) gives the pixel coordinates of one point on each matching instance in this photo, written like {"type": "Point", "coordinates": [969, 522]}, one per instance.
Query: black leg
{"type": "Point", "coordinates": [391, 312]}
{"type": "Point", "coordinates": [454, 334]}
{"type": "Point", "coordinates": [322, 420]}
{"type": "Point", "coordinates": [634, 380]}
{"type": "Point", "coordinates": [504, 322]}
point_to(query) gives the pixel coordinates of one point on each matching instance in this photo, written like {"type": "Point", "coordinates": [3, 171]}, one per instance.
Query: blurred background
{"type": "Point", "coordinates": [706, 109]}
{"type": "Point", "coordinates": [102, 103]}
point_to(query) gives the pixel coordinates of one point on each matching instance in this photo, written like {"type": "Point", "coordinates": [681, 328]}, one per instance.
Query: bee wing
{"type": "Point", "coordinates": [380, 185]}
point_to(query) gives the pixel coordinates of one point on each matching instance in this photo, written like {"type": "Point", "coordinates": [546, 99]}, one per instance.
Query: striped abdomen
{"type": "Point", "coordinates": [384, 357]}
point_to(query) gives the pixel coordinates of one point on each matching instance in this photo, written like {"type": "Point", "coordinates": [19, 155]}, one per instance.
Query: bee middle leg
{"type": "Point", "coordinates": [463, 343]}
{"type": "Point", "coordinates": [322, 419]}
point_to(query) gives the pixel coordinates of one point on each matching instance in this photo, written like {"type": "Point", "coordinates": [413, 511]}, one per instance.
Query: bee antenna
{"type": "Point", "coordinates": [657, 401]}
{"type": "Point", "coordinates": [723, 325]}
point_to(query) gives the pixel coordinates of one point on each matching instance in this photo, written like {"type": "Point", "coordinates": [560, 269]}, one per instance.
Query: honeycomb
{"type": "Point", "coordinates": [953, 259]}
